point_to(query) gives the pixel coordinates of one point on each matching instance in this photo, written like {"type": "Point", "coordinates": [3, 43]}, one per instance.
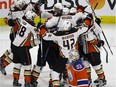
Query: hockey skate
{"type": "Point", "coordinates": [16, 84]}
{"type": "Point", "coordinates": [28, 85]}
{"type": "Point", "coordinates": [2, 69]}
{"type": "Point", "coordinates": [100, 82]}
{"type": "Point", "coordinates": [64, 84]}
{"type": "Point", "coordinates": [34, 83]}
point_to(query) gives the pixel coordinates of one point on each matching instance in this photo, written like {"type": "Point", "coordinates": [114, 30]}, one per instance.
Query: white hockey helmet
{"type": "Point", "coordinates": [65, 10]}
{"type": "Point", "coordinates": [58, 6]}
{"type": "Point", "coordinates": [66, 26]}
{"type": "Point", "coordinates": [73, 55]}
{"type": "Point", "coordinates": [19, 3]}
{"type": "Point", "coordinates": [30, 15]}
{"type": "Point", "coordinates": [73, 10]}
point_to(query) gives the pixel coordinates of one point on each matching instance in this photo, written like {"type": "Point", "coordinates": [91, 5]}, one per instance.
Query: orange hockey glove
{"type": "Point", "coordinates": [42, 31]}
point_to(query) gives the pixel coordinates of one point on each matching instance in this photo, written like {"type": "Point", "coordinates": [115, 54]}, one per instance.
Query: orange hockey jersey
{"type": "Point", "coordinates": [77, 75]}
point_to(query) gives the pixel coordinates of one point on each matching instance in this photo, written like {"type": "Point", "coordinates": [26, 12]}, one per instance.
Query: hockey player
{"type": "Point", "coordinates": [49, 48]}
{"type": "Point", "coordinates": [15, 14]}
{"type": "Point", "coordinates": [66, 38]}
{"type": "Point", "coordinates": [77, 74]}
{"type": "Point", "coordinates": [13, 19]}
{"type": "Point", "coordinates": [20, 49]}
{"type": "Point", "coordinates": [91, 43]}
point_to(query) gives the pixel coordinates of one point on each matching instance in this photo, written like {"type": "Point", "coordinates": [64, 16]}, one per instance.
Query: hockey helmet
{"type": "Point", "coordinates": [19, 3]}
{"type": "Point", "coordinates": [73, 10]}
{"type": "Point", "coordinates": [65, 10]}
{"type": "Point", "coordinates": [66, 26]}
{"type": "Point", "coordinates": [58, 6]}
{"type": "Point", "coordinates": [30, 15]}
{"type": "Point", "coordinates": [88, 20]}
{"type": "Point", "coordinates": [81, 8]}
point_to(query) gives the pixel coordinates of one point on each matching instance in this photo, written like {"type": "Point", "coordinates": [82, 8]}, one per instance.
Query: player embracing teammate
{"type": "Point", "coordinates": [64, 29]}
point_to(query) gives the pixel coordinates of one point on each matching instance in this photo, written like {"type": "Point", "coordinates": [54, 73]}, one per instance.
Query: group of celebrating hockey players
{"type": "Point", "coordinates": [69, 41]}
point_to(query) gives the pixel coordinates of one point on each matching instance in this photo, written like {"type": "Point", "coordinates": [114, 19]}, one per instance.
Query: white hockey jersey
{"type": "Point", "coordinates": [25, 34]}
{"type": "Point", "coordinates": [57, 21]}
{"type": "Point", "coordinates": [65, 39]}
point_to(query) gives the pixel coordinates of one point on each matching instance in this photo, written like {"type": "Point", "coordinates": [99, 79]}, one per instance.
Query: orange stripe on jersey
{"type": "Point", "coordinates": [77, 74]}
{"type": "Point", "coordinates": [76, 46]}
{"type": "Point", "coordinates": [27, 41]}
{"type": "Point", "coordinates": [17, 25]}
{"type": "Point", "coordinates": [92, 46]}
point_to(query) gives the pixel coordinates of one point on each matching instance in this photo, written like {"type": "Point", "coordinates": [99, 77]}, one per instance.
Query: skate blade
{"type": "Point", "coordinates": [97, 85]}
{"type": "Point", "coordinates": [16, 86]}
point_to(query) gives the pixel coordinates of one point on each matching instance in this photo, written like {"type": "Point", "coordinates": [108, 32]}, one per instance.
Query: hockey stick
{"type": "Point", "coordinates": [102, 46]}
{"type": "Point", "coordinates": [100, 26]}
{"type": "Point", "coordinates": [41, 39]}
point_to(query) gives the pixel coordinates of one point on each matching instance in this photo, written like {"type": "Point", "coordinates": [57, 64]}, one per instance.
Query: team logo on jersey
{"type": "Point", "coordinates": [70, 75]}
{"type": "Point", "coordinates": [49, 35]}
{"type": "Point", "coordinates": [78, 66]}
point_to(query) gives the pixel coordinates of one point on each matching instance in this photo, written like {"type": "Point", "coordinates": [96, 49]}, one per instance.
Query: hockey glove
{"type": "Point", "coordinates": [100, 43]}
{"type": "Point", "coordinates": [42, 31]}
{"type": "Point", "coordinates": [11, 22]}
{"type": "Point", "coordinates": [39, 25]}
{"type": "Point", "coordinates": [98, 21]}
{"type": "Point", "coordinates": [6, 20]}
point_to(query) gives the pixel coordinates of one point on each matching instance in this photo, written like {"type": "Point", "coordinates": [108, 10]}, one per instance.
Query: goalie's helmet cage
{"type": "Point", "coordinates": [73, 55]}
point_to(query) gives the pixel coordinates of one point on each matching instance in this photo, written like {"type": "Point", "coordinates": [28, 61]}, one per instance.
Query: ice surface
{"type": "Point", "coordinates": [109, 68]}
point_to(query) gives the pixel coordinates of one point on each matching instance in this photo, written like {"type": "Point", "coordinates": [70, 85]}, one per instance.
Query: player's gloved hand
{"type": "Point", "coordinates": [39, 25]}
{"type": "Point", "coordinates": [100, 43]}
{"type": "Point", "coordinates": [98, 21]}
{"type": "Point", "coordinates": [6, 20]}
{"type": "Point", "coordinates": [11, 22]}
{"type": "Point", "coordinates": [43, 31]}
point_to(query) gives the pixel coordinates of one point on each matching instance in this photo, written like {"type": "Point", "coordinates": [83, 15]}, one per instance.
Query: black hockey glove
{"type": "Point", "coordinates": [100, 43]}
{"type": "Point", "coordinates": [98, 21]}
{"type": "Point", "coordinates": [39, 25]}
{"type": "Point", "coordinates": [11, 22]}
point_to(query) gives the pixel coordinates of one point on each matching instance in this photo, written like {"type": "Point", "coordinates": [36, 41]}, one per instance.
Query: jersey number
{"type": "Point", "coordinates": [69, 44]}
{"type": "Point", "coordinates": [22, 31]}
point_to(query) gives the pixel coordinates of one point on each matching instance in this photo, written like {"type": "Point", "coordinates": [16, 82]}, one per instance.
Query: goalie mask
{"type": "Point", "coordinates": [20, 3]}
{"type": "Point", "coordinates": [73, 55]}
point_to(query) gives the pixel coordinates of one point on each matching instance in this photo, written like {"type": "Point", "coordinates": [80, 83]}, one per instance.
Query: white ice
{"type": "Point", "coordinates": [109, 68]}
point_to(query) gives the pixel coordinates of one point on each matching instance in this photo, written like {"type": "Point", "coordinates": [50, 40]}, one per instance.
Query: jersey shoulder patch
{"type": "Point", "coordinates": [78, 66]}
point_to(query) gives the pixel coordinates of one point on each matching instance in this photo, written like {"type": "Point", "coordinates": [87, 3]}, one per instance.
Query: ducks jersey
{"type": "Point", "coordinates": [65, 39]}
{"type": "Point", "coordinates": [25, 34]}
